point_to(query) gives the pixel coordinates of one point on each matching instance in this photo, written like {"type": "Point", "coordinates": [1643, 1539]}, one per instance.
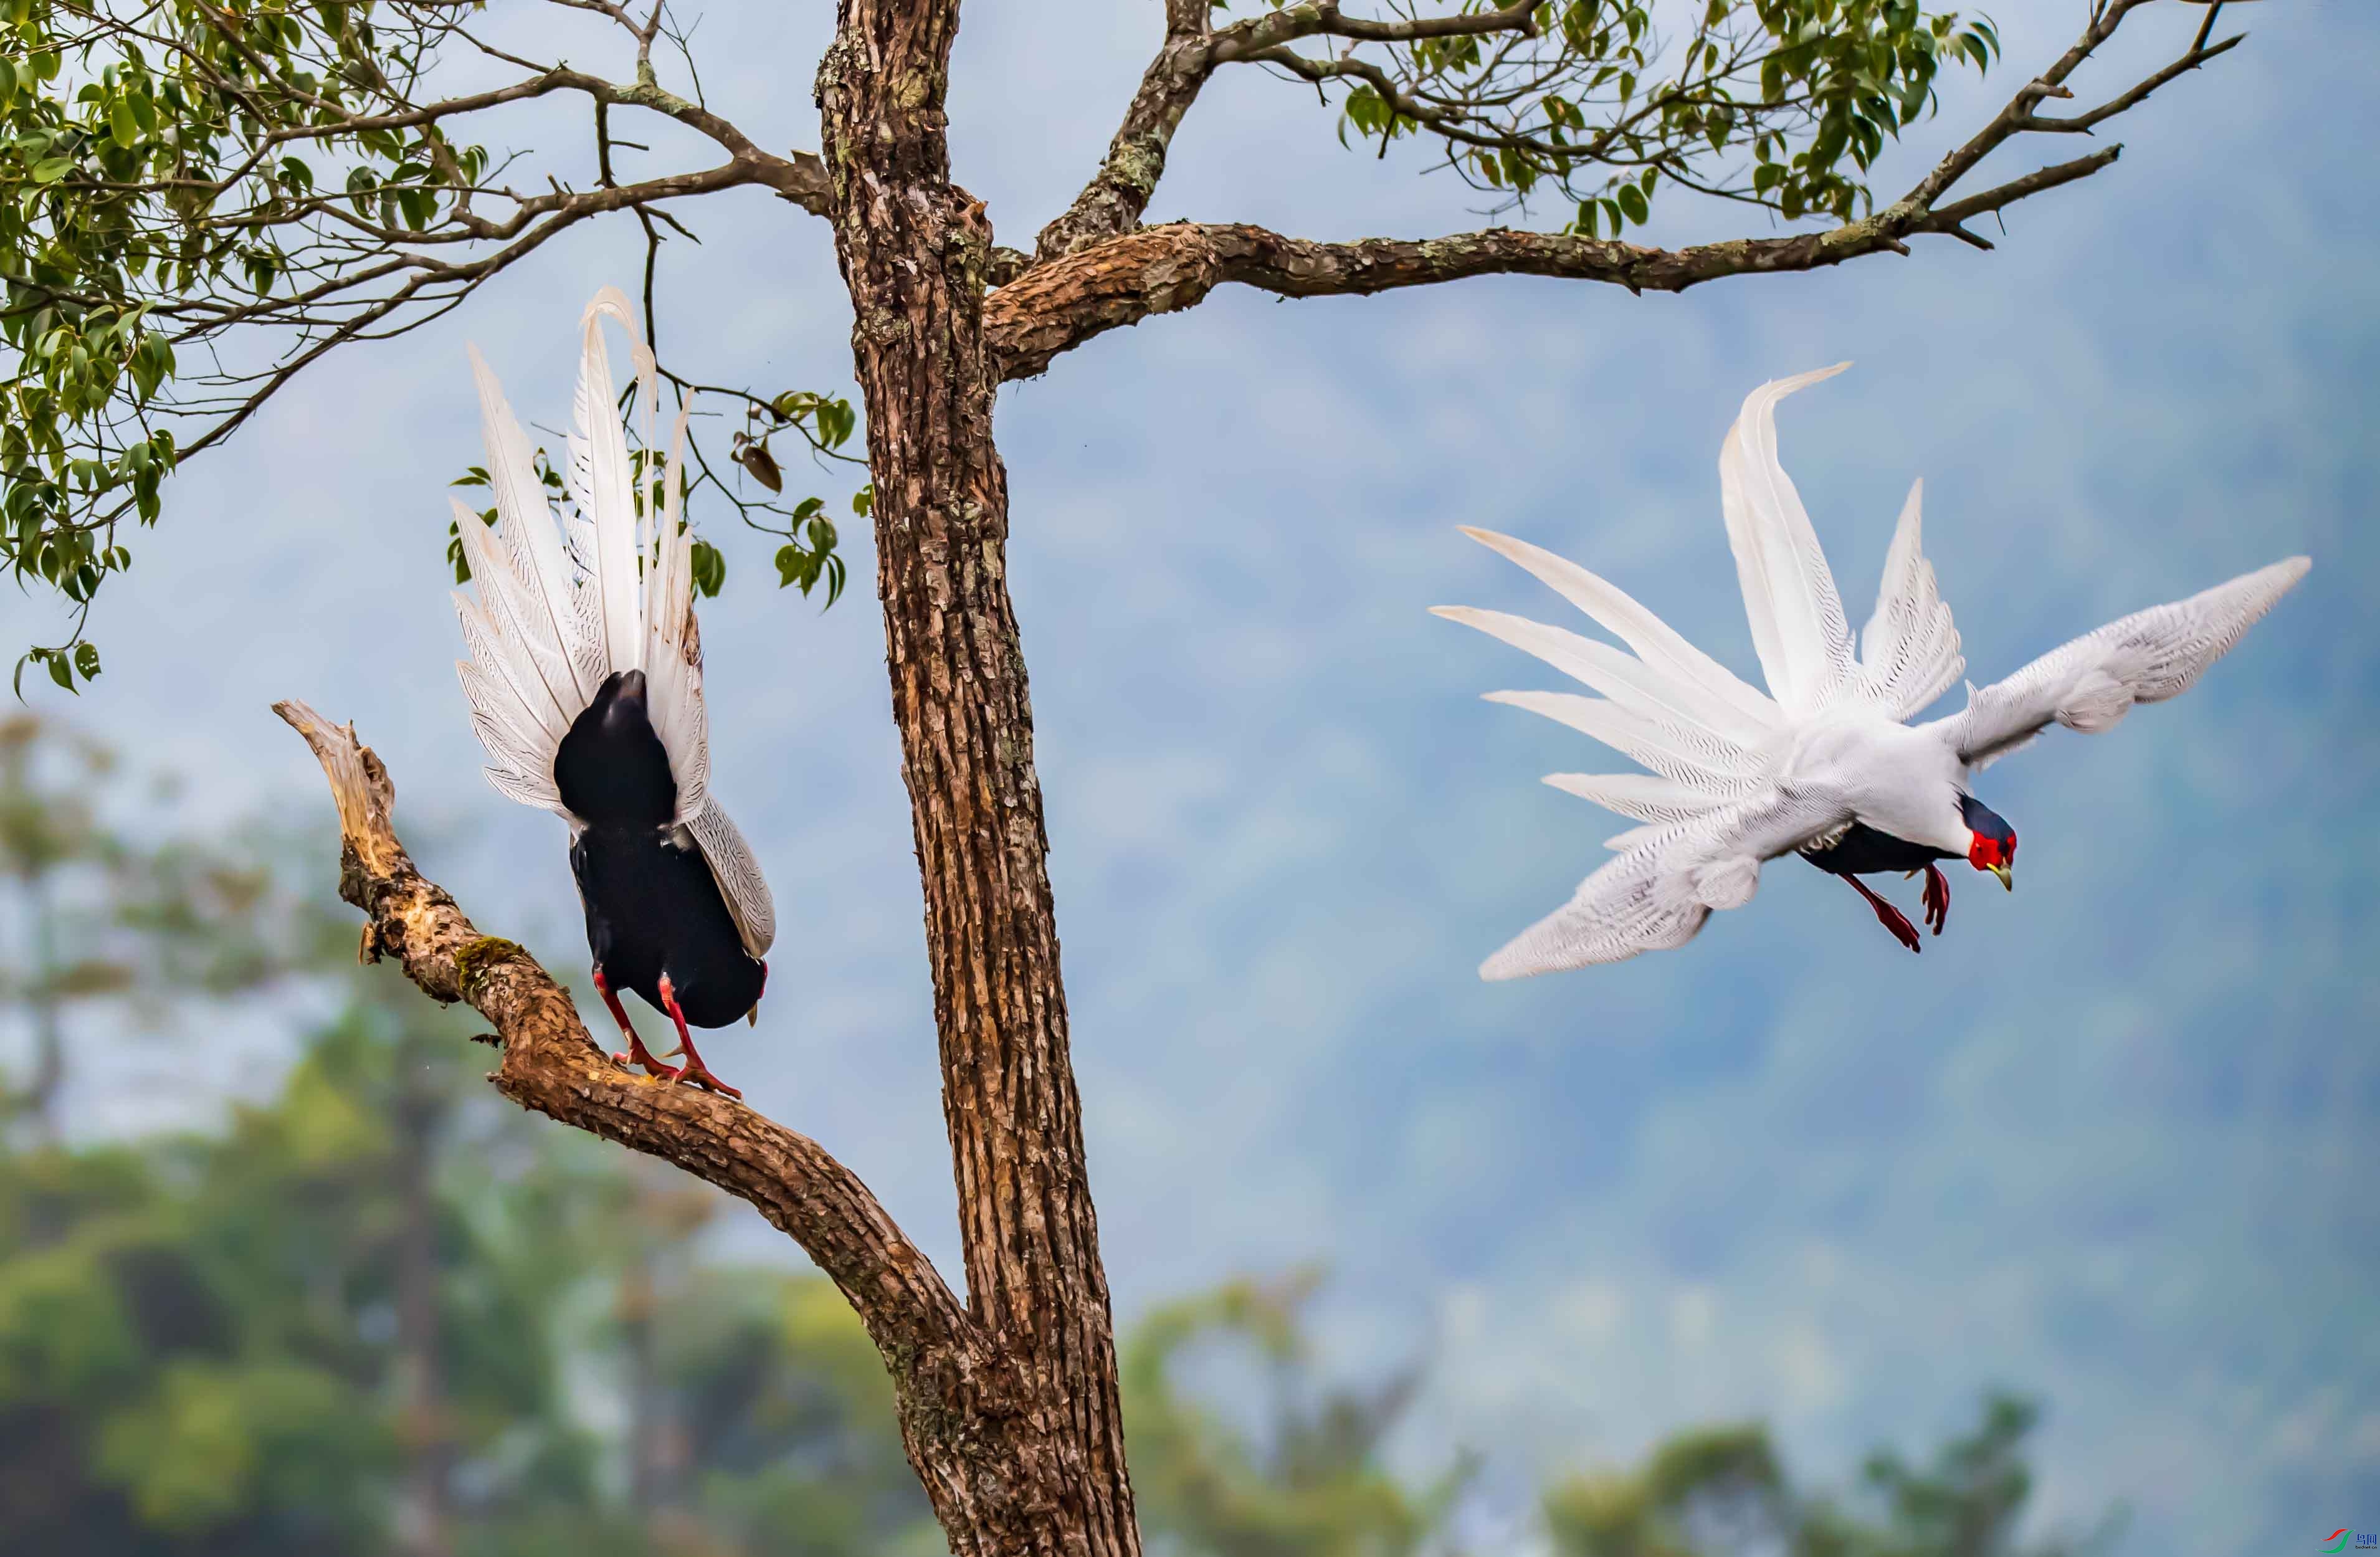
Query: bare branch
{"type": "Point", "coordinates": [1054, 308]}
{"type": "Point", "coordinates": [1118, 192]}
{"type": "Point", "coordinates": [2083, 123]}
{"type": "Point", "coordinates": [2011, 120]}
{"type": "Point", "coordinates": [457, 281]}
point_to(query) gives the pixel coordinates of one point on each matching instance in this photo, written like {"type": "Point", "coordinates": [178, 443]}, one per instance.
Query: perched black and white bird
{"type": "Point", "coordinates": [1825, 765]}
{"type": "Point", "coordinates": [586, 686]}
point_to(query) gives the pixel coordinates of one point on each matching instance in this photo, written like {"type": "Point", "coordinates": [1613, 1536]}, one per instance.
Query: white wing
{"type": "Point", "coordinates": [1909, 651]}
{"type": "Point", "coordinates": [1788, 593]}
{"type": "Point", "coordinates": [1661, 887]}
{"type": "Point", "coordinates": [2090, 683]}
{"type": "Point", "coordinates": [738, 875]}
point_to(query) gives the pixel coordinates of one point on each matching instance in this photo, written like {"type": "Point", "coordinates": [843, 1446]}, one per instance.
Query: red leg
{"type": "Point", "coordinates": [1938, 898]}
{"type": "Point", "coordinates": [637, 1055]}
{"type": "Point", "coordinates": [693, 1070]}
{"type": "Point", "coordinates": [1890, 916]}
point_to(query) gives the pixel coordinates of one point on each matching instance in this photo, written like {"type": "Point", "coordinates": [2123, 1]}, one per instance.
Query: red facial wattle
{"type": "Point", "coordinates": [1995, 855]}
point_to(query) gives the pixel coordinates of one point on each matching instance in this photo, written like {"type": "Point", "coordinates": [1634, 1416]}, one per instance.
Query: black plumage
{"type": "Point", "coordinates": [1863, 850]}
{"type": "Point", "coordinates": [654, 910]}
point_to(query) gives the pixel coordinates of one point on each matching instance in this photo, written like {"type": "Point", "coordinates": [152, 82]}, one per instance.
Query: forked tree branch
{"type": "Point", "coordinates": [1052, 308]}
{"type": "Point", "coordinates": [1118, 192]}
{"type": "Point", "coordinates": [1070, 294]}
{"type": "Point", "coordinates": [945, 1372]}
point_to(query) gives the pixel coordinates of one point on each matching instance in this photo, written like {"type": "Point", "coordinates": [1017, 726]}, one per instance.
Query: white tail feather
{"type": "Point", "coordinates": [567, 600]}
{"type": "Point", "coordinates": [520, 628]}
{"type": "Point", "coordinates": [1909, 651]}
{"type": "Point", "coordinates": [1639, 796]}
{"type": "Point", "coordinates": [1627, 681]}
{"type": "Point", "coordinates": [529, 536]}
{"type": "Point", "coordinates": [1692, 758]}
{"type": "Point", "coordinates": [1788, 593]}
{"type": "Point", "coordinates": [605, 488]}
{"type": "Point", "coordinates": [673, 644]}
{"type": "Point", "coordinates": [1655, 641]}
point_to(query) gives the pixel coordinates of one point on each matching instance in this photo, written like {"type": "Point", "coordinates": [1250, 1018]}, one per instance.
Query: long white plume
{"type": "Point", "coordinates": [551, 622]}
{"type": "Point", "coordinates": [1788, 593]}
{"type": "Point", "coordinates": [1909, 651]}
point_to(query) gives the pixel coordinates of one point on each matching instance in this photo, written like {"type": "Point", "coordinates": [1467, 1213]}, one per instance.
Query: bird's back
{"type": "Point", "coordinates": [652, 907]}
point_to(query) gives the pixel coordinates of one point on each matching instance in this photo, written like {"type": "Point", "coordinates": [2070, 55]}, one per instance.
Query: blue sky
{"type": "Point", "coordinates": [2112, 1139]}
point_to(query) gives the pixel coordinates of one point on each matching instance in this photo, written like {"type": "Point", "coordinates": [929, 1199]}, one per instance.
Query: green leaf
{"type": "Point", "coordinates": [86, 660]}
{"type": "Point", "coordinates": [121, 123]}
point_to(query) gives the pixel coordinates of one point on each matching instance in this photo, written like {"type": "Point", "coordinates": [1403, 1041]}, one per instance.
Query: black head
{"type": "Point", "coordinates": [1993, 844]}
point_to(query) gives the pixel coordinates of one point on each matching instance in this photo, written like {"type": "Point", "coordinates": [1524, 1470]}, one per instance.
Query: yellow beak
{"type": "Point", "coordinates": [2008, 879]}
{"type": "Point", "coordinates": [752, 1017]}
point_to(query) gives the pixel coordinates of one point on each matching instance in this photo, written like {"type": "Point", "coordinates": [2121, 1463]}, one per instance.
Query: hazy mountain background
{"type": "Point", "coordinates": [2115, 1139]}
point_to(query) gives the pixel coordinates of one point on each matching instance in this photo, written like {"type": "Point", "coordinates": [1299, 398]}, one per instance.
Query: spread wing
{"type": "Point", "coordinates": [1909, 651]}
{"type": "Point", "coordinates": [2090, 683]}
{"type": "Point", "coordinates": [1798, 626]}
{"type": "Point", "coordinates": [1657, 892]}
{"type": "Point", "coordinates": [738, 875]}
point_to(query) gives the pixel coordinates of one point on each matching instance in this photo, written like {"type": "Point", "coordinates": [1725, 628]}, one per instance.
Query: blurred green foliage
{"type": "Point", "coordinates": [1724, 1489]}
{"type": "Point", "coordinates": [383, 1313]}
{"type": "Point", "coordinates": [1305, 1477]}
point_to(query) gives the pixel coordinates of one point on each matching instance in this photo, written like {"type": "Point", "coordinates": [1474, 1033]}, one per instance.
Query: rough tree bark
{"type": "Point", "coordinates": [915, 251]}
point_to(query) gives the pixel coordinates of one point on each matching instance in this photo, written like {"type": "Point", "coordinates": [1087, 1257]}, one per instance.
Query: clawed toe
{"type": "Point", "coordinates": [1937, 899]}
{"type": "Point", "coordinates": [1892, 917]}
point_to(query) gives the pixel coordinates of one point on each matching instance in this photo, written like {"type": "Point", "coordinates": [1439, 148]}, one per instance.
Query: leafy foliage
{"type": "Point", "coordinates": [199, 198]}
{"type": "Point", "coordinates": [1782, 103]}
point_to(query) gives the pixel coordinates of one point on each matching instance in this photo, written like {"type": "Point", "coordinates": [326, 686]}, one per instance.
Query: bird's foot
{"type": "Point", "coordinates": [698, 1074]}
{"type": "Point", "coordinates": [1890, 916]}
{"type": "Point", "coordinates": [637, 1055]}
{"type": "Point", "coordinates": [1938, 898]}
{"type": "Point", "coordinates": [693, 1070]}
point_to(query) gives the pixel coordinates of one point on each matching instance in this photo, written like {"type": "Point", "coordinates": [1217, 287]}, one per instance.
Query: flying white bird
{"type": "Point", "coordinates": [586, 687]}
{"type": "Point", "coordinates": [1825, 765]}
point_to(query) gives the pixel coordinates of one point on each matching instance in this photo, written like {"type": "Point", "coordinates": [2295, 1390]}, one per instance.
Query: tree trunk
{"type": "Point", "coordinates": [914, 249]}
